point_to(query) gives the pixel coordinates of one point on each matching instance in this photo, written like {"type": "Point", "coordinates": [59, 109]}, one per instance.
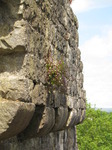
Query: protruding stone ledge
{"type": "Point", "coordinates": [41, 124]}
{"type": "Point", "coordinates": [14, 117]}
{"type": "Point", "coordinates": [61, 116]}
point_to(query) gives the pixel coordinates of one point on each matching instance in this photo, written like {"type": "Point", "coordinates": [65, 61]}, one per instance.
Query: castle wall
{"type": "Point", "coordinates": [39, 110]}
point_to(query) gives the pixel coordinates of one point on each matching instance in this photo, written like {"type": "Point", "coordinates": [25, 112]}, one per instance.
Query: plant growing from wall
{"type": "Point", "coordinates": [57, 74]}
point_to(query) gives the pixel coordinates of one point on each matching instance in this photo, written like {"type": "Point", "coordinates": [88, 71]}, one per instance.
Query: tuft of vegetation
{"type": "Point", "coordinates": [56, 77]}
{"type": "Point", "coordinates": [95, 133]}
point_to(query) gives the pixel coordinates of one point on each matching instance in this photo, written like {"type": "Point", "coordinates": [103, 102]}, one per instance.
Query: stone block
{"type": "Point", "coordinates": [39, 95]}
{"type": "Point", "coordinates": [72, 119]}
{"type": "Point", "coordinates": [15, 87]}
{"type": "Point", "coordinates": [83, 113]}
{"type": "Point", "coordinates": [41, 124]}
{"type": "Point", "coordinates": [47, 122]}
{"type": "Point", "coordinates": [61, 116]}
{"type": "Point", "coordinates": [14, 117]}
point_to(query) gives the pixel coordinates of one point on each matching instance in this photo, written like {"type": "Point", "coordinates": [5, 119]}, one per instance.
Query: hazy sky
{"type": "Point", "coordinates": [95, 35]}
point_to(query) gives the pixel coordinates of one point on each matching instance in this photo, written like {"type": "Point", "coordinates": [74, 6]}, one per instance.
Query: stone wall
{"type": "Point", "coordinates": [62, 140]}
{"type": "Point", "coordinates": [30, 33]}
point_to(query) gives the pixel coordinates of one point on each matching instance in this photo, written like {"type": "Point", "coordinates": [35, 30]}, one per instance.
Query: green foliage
{"type": "Point", "coordinates": [56, 74]}
{"type": "Point", "coordinates": [95, 133]}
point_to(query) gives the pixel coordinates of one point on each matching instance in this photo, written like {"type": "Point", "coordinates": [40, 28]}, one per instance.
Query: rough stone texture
{"type": "Point", "coordinates": [29, 31]}
{"type": "Point", "coordinates": [62, 140]}
{"type": "Point", "coordinates": [15, 87]}
{"type": "Point", "coordinates": [39, 94]}
{"type": "Point", "coordinates": [14, 117]}
{"type": "Point", "coordinates": [61, 118]}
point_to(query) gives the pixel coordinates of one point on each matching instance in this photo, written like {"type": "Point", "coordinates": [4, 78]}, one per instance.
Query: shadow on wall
{"type": "Point", "coordinates": [8, 16]}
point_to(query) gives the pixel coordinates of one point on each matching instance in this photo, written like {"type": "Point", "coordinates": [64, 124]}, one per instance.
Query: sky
{"type": "Point", "coordinates": [95, 43]}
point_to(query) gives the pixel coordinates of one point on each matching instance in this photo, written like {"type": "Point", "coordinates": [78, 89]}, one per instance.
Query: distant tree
{"type": "Point", "coordinates": [95, 133]}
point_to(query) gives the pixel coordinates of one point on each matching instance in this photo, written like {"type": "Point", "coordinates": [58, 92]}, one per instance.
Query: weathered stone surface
{"type": "Point", "coordinates": [72, 119]}
{"type": "Point", "coordinates": [47, 122]}
{"type": "Point", "coordinates": [13, 41]}
{"type": "Point", "coordinates": [57, 99]}
{"type": "Point", "coordinates": [83, 113]}
{"type": "Point", "coordinates": [15, 87]}
{"type": "Point", "coordinates": [14, 117]}
{"type": "Point", "coordinates": [39, 95]}
{"type": "Point", "coordinates": [62, 140]}
{"type": "Point", "coordinates": [61, 115]}
{"type": "Point", "coordinates": [71, 102]}
{"type": "Point", "coordinates": [41, 123]}
{"type": "Point", "coordinates": [30, 33]}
